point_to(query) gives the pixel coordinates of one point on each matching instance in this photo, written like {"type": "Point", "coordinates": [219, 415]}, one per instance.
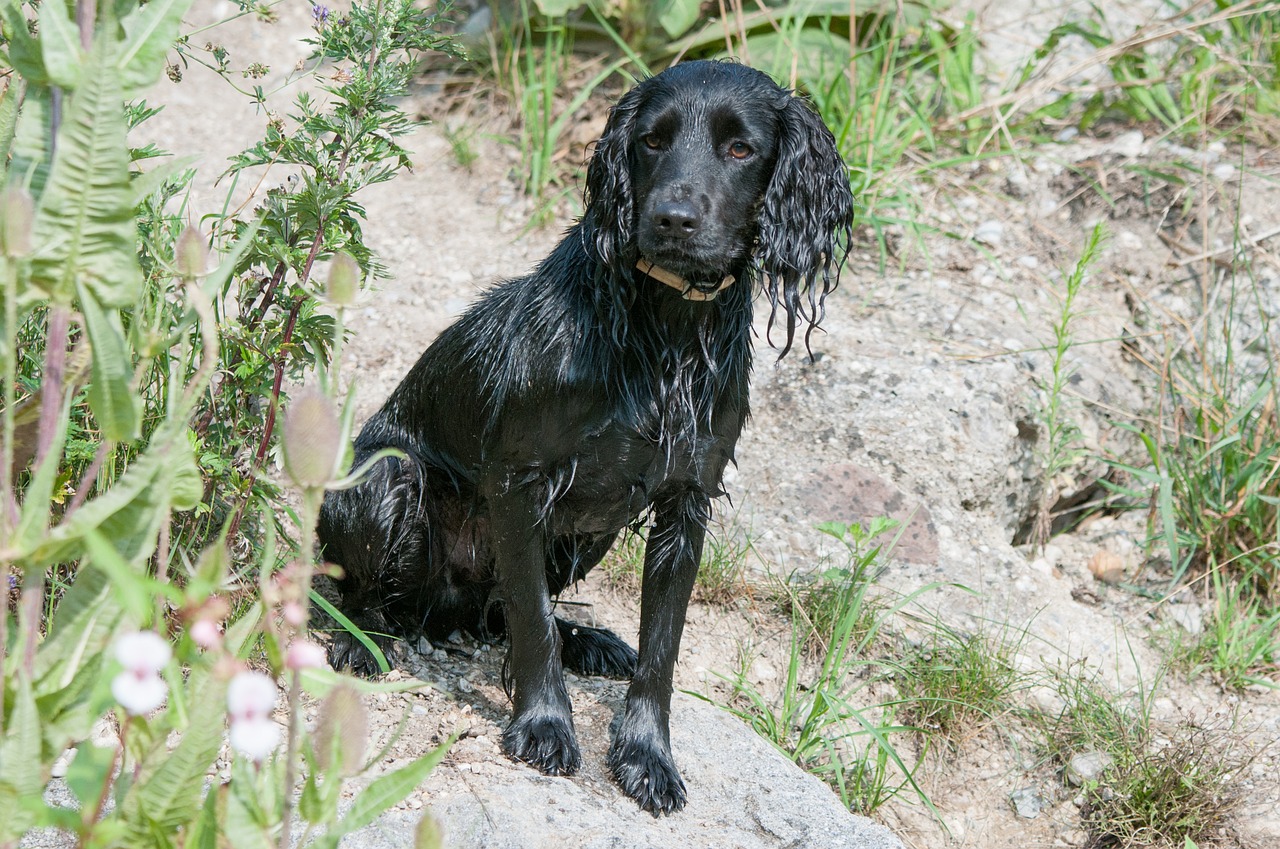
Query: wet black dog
{"type": "Point", "coordinates": [605, 389]}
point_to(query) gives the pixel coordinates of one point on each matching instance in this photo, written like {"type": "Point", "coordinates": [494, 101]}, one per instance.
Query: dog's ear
{"type": "Point", "coordinates": [610, 200]}
{"type": "Point", "coordinates": [806, 220]}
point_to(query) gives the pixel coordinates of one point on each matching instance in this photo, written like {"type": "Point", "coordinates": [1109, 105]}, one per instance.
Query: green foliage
{"type": "Point", "coordinates": [112, 331]}
{"type": "Point", "coordinates": [956, 683]}
{"type": "Point", "coordinates": [1058, 448]}
{"type": "Point", "coordinates": [1165, 786]}
{"type": "Point", "coordinates": [1240, 645]}
{"type": "Point", "coordinates": [821, 719]}
{"type": "Point", "coordinates": [1211, 66]}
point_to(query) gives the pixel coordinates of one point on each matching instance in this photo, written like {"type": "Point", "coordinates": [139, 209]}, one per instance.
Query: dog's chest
{"type": "Point", "coordinates": [624, 464]}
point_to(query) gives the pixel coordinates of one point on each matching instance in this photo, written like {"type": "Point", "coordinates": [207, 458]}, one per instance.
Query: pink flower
{"type": "Point", "coordinates": [139, 688]}
{"type": "Point", "coordinates": [256, 738]}
{"type": "Point", "coordinates": [205, 633]}
{"type": "Point", "coordinates": [250, 699]}
{"type": "Point", "coordinates": [251, 695]}
{"type": "Point", "coordinates": [304, 654]}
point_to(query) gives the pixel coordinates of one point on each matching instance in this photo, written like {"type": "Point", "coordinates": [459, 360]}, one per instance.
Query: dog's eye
{"type": "Point", "coordinates": [651, 141]}
{"type": "Point", "coordinates": [740, 150]}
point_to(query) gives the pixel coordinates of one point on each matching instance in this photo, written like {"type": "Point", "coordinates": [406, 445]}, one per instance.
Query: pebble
{"type": "Point", "coordinates": [1188, 617]}
{"type": "Point", "coordinates": [1028, 802]}
{"type": "Point", "coordinates": [989, 232]}
{"type": "Point", "coordinates": [424, 647]}
{"type": "Point", "coordinates": [1087, 766]}
{"type": "Point", "coordinates": [60, 766]}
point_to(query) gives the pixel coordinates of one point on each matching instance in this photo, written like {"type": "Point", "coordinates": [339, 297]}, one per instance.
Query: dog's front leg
{"type": "Point", "coordinates": [541, 730]}
{"type": "Point", "coordinates": [640, 757]}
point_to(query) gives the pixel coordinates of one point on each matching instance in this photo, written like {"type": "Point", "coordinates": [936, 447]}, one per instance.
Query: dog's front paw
{"type": "Point", "coordinates": [647, 773]}
{"type": "Point", "coordinates": [546, 743]}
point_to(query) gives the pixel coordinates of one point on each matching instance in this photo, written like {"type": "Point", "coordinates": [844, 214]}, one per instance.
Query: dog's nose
{"type": "Point", "coordinates": [677, 219]}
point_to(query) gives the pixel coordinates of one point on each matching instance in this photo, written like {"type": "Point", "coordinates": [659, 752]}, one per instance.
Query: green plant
{"type": "Point", "coordinates": [1161, 786]}
{"type": "Point", "coordinates": [1059, 448]}
{"type": "Point", "coordinates": [1205, 67]}
{"type": "Point", "coordinates": [722, 573]}
{"type": "Point", "coordinates": [820, 603]}
{"type": "Point", "coordinates": [1240, 645]}
{"type": "Point", "coordinates": [817, 719]}
{"type": "Point", "coordinates": [117, 315]}
{"type": "Point", "coordinates": [958, 682]}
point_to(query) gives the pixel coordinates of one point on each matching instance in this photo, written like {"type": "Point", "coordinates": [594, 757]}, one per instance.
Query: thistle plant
{"type": "Point", "coordinates": [115, 320]}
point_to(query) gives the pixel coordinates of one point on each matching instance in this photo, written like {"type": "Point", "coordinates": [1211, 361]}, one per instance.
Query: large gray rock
{"type": "Point", "coordinates": [743, 794]}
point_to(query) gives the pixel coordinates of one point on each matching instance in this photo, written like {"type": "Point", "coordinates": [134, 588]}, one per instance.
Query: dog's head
{"type": "Point", "coordinates": [711, 168]}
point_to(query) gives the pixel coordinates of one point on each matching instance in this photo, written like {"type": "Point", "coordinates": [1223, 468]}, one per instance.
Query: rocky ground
{"type": "Point", "coordinates": [920, 403]}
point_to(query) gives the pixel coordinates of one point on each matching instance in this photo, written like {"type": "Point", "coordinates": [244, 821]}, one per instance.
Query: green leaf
{"type": "Point", "coordinates": [170, 789]}
{"type": "Point", "coordinates": [204, 831]}
{"type": "Point", "coordinates": [10, 100]}
{"type": "Point", "coordinates": [60, 45]}
{"type": "Point", "coordinates": [24, 51]}
{"type": "Point", "coordinates": [29, 165]}
{"type": "Point", "coordinates": [20, 761]}
{"type": "Point", "coordinates": [131, 512]}
{"type": "Point", "coordinates": [89, 772]}
{"type": "Point", "coordinates": [389, 789]}
{"type": "Point", "coordinates": [677, 16]}
{"type": "Point", "coordinates": [86, 618]}
{"type": "Point", "coordinates": [84, 228]}
{"type": "Point", "coordinates": [149, 33]}
{"type": "Point", "coordinates": [352, 628]}
{"type": "Point", "coordinates": [117, 408]}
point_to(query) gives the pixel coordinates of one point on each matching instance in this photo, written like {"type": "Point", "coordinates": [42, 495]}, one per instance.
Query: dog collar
{"type": "Point", "coordinates": [675, 281]}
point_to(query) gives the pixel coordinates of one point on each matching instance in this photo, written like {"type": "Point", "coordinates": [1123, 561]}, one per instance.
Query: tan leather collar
{"type": "Point", "coordinates": [675, 281]}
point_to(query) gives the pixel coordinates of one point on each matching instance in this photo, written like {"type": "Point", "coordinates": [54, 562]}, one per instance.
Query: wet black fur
{"type": "Point", "coordinates": [567, 405]}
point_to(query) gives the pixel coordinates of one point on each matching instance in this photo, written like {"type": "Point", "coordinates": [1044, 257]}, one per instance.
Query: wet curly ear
{"type": "Point", "coordinates": [609, 199]}
{"type": "Point", "coordinates": [806, 221]}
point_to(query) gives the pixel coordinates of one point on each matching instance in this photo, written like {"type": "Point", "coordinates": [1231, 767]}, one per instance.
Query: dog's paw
{"type": "Point", "coordinates": [546, 743]}
{"type": "Point", "coordinates": [647, 773]}
{"type": "Point", "coordinates": [595, 651]}
{"type": "Point", "coordinates": [347, 654]}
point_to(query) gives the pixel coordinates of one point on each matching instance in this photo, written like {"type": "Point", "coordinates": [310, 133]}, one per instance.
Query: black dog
{"type": "Point", "coordinates": [605, 389]}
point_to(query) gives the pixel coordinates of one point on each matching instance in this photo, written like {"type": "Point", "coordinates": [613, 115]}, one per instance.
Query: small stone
{"type": "Point", "coordinates": [1107, 567]}
{"type": "Point", "coordinates": [761, 671]}
{"type": "Point", "coordinates": [60, 766]}
{"type": "Point", "coordinates": [465, 686]}
{"type": "Point", "coordinates": [1028, 802]}
{"type": "Point", "coordinates": [424, 647]}
{"type": "Point", "coordinates": [1087, 766]}
{"type": "Point", "coordinates": [989, 232]}
{"type": "Point", "coordinates": [1188, 617]}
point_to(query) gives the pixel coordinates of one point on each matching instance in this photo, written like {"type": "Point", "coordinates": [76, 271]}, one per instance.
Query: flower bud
{"type": "Point", "coordinates": [190, 254]}
{"type": "Point", "coordinates": [17, 215]}
{"type": "Point", "coordinates": [312, 439]}
{"type": "Point", "coordinates": [342, 731]}
{"type": "Point", "coordinates": [304, 654]}
{"type": "Point", "coordinates": [344, 281]}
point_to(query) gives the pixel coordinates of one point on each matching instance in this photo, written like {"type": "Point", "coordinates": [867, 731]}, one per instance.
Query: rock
{"type": "Point", "coordinates": [1187, 616]}
{"type": "Point", "coordinates": [59, 768]}
{"type": "Point", "coordinates": [1107, 567]}
{"type": "Point", "coordinates": [1087, 766]}
{"type": "Point", "coordinates": [990, 232]}
{"type": "Point", "coordinates": [742, 794]}
{"type": "Point", "coordinates": [1029, 802]}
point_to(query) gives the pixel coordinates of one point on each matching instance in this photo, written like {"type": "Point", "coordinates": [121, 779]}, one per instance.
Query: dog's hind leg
{"type": "Point", "coordinates": [595, 651]}
{"type": "Point", "coordinates": [374, 531]}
